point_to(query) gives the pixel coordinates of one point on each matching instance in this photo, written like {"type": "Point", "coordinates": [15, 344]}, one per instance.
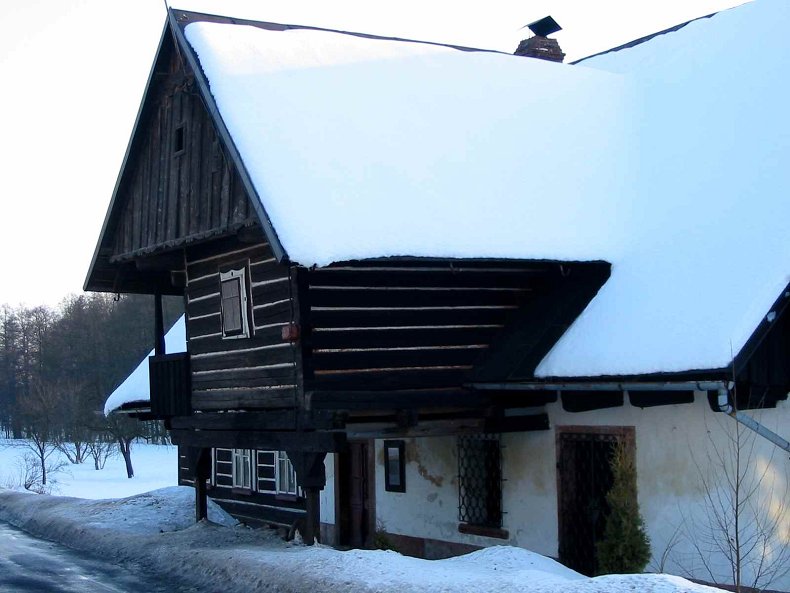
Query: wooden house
{"type": "Point", "coordinates": [385, 268]}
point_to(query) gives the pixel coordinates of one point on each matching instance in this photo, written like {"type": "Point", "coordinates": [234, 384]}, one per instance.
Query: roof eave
{"type": "Point", "coordinates": [87, 285]}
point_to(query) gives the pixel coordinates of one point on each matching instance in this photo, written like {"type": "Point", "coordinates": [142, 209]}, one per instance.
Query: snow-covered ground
{"type": "Point", "coordinates": [155, 466]}
{"type": "Point", "coordinates": [156, 530]}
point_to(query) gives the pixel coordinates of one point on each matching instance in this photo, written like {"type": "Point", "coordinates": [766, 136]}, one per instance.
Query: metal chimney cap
{"type": "Point", "coordinates": [544, 27]}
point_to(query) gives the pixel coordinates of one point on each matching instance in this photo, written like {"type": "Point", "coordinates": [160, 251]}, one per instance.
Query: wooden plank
{"type": "Point", "coordinates": [430, 276]}
{"type": "Point", "coordinates": [267, 272]}
{"type": "Point", "coordinates": [398, 400]}
{"type": "Point", "coordinates": [339, 317]}
{"type": "Point", "coordinates": [269, 420]}
{"type": "Point", "coordinates": [323, 297]}
{"type": "Point", "coordinates": [402, 337]}
{"type": "Point", "coordinates": [271, 293]}
{"type": "Point", "coordinates": [213, 342]}
{"type": "Point", "coordinates": [232, 399]}
{"type": "Point", "coordinates": [205, 326]}
{"type": "Point", "coordinates": [346, 360]}
{"type": "Point", "coordinates": [198, 282]}
{"type": "Point", "coordinates": [203, 384]}
{"type": "Point", "coordinates": [234, 359]}
{"type": "Point", "coordinates": [272, 313]}
{"type": "Point", "coordinates": [203, 306]}
{"type": "Point", "coordinates": [195, 150]}
{"type": "Point", "coordinates": [224, 247]}
{"type": "Point", "coordinates": [164, 160]}
{"type": "Point", "coordinates": [173, 163]}
{"type": "Point", "coordinates": [154, 196]}
{"type": "Point", "coordinates": [280, 441]}
{"type": "Point", "coordinates": [402, 379]}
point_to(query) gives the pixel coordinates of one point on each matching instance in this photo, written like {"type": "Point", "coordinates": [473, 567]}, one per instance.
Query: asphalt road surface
{"type": "Point", "coordinates": [28, 564]}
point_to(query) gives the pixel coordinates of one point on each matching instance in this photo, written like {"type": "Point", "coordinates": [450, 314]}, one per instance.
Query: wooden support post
{"type": "Point", "coordinates": [159, 326]}
{"type": "Point", "coordinates": [311, 476]}
{"type": "Point", "coordinates": [312, 524]}
{"type": "Point", "coordinates": [201, 499]}
{"type": "Point", "coordinates": [201, 458]}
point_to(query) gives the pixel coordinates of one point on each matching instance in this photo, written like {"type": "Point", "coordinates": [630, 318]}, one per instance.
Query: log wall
{"type": "Point", "coordinates": [409, 324]}
{"type": "Point", "coordinates": [258, 372]}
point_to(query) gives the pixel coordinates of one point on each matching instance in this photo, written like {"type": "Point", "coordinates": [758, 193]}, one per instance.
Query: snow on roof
{"type": "Point", "coordinates": [667, 159]}
{"type": "Point", "coordinates": [136, 387]}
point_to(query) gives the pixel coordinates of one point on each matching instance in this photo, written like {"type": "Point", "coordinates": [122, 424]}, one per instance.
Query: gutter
{"type": "Point", "coordinates": [605, 386]}
{"type": "Point", "coordinates": [725, 406]}
{"type": "Point", "coordinates": [723, 403]}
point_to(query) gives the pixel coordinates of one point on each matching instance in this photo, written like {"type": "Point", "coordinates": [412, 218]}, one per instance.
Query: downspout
{"type": "Point", "coordinates": [725, 405]}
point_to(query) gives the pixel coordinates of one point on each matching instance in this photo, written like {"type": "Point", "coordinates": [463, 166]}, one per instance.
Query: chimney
{"type": "Point", "coordinates": [540, 46]}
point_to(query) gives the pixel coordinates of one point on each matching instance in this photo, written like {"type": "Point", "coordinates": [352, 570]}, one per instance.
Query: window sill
{"type": "Point", "coordinates": [288, 497]}
{"type": "Point", "coordinates": [242, 491]}
{"type": "Point", "coordinates": [496, 532]}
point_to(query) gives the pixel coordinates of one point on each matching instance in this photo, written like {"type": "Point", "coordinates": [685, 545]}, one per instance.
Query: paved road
{"type": "Point", "coordinates": [28, 564]}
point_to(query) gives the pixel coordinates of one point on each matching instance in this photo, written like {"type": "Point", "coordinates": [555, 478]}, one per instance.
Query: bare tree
{"type": "Point", "coordinates": [100, 451]}
{"type": "Point", "coordinates": [40, 416]}
{"type": "Point", "coordinates": [740, 535]}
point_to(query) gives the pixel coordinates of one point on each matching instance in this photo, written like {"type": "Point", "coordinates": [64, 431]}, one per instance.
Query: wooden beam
{"type": "Point", "coordinates": [314, 441]}
{"type": "Point", "coordinates": [396, 400]}
{"type": "Point", "coordinates": [159, 328]}
{"type": "Point", "coordinates": [283, 420]}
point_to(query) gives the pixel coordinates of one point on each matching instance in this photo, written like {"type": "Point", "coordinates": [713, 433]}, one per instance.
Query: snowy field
{"type": "Point", "coordinates": [156, 530]}
{"type": "Point", "coordinates": [155, 466]}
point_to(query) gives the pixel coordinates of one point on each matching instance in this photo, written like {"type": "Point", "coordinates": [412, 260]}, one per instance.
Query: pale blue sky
{"type": "Point", "coordinates": [73, 72]}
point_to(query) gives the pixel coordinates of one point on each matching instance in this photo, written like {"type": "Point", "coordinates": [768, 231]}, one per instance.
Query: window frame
{"type": "Point", "coordinates": [236, 480]}
{"type": "Point", "coordinates": [239, 275]}
{"type": "Point", "coordinates": [390, 484]}
{"type": "Point", "coordinates": [281, 459]}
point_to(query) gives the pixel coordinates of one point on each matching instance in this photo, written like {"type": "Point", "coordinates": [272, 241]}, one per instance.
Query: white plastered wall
{"type": "Point", "coordinates": [671, 442]}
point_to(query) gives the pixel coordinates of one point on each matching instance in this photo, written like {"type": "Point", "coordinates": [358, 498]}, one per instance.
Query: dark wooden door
{"type": "Point", "coordinates": [355, 503]}
{"type": "Point", "coordinates": [585, 477]}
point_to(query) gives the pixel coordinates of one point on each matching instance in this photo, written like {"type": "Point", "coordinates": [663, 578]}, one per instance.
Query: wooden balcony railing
{"type": "Point", "coordinates": [171, 385]}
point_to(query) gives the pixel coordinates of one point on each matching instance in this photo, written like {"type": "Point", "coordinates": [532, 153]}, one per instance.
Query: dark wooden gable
{"type": "Point", "coordinates": [181, 182]}
{"type": "Point", "coordinates": [180, 186]}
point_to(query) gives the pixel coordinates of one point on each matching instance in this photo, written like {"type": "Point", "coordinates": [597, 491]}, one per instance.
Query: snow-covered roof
{"type": "Point", "coordinates": [668, 159]}
{"type": "Point", "coordinates": [136, 387]}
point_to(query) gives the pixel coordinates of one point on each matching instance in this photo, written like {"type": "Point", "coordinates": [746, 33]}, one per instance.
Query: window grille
{"type": "Point", "coordinates": [480, 480]}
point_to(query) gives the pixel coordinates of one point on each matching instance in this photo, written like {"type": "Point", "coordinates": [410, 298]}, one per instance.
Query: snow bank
{"type": "Point", "coordinates": [667, 159]}
{"type": "Point", "coordinates": [136, 387]}
{"type": "Point", "coordinates": [155, 530]}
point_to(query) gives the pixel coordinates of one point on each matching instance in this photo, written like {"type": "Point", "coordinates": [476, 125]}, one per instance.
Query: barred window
{"type": "Point", "coordinates": [480, 480]}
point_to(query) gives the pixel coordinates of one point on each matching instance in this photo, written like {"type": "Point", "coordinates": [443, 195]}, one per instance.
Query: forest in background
{"type": "Point", "coordinates": [58, 365]}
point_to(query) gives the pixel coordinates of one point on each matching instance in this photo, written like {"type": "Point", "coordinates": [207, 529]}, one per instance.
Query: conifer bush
{"type": "Point", "coordinates": [625, 547]}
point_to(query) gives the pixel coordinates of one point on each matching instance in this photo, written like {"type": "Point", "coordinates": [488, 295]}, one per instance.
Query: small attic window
{"type": "Point", "coordinates": [178, 140]}
{"type": "Point", "coordinates": [233, 304]}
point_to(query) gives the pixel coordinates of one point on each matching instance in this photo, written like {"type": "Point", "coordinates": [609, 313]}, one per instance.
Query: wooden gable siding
{"type": "Point", "coordinates": [247, 373]}
{"type": "Point", "coordinates": [175, 193]}
{"type": "Point", "coordinates": [407, 325]}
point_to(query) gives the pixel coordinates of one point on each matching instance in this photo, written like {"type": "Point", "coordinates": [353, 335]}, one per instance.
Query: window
{"type": "Point", "coordinates": [394, 466]}
{"type": "Point", "coordinates": [242, 475]}
{"type": "Point", "coordinates": [233, 293]}
{"type": "Point", "coordinates": [480, 480]}
{"type": "Point", "coordinates": [285, 475]}
{"type": "Point", "coordinates": [178, 140]}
